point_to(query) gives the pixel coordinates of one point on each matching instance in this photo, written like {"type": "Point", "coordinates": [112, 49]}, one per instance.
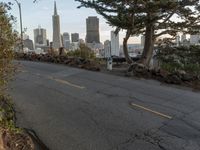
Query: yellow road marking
{"type": "Point", "coordinates": [58, 80]}
{"type": "Point", "coordinates": [23, 71]}
{"type": "Point", "coordinates": [66, 82]}
{"type": "Point", "coordinates": [152, 111]}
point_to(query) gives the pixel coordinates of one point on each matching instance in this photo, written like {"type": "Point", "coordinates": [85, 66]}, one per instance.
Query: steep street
{"type": "Point", "coordinates": [74, 109]}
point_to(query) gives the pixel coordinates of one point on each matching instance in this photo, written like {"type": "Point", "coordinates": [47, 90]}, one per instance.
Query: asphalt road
{"type": "Point", "coordinates": [73, 109]}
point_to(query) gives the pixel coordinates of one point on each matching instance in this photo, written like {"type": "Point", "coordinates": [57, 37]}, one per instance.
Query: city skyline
{"type": "Point", "coordinates": [71, 19]}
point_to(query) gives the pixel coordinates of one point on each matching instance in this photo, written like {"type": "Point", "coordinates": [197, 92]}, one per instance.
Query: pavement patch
{"type": "Point", "coordinates": [152, 111]}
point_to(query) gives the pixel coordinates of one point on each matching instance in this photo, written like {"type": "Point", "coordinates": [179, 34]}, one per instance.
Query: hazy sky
{"type": "Point", "coordinates": [71, 19]}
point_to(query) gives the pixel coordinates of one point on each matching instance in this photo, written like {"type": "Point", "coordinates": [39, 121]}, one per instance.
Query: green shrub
{"type": "Point", "coordinates": [180, 58]}
{"type": "Point", "coordinates": [83, 52]}
{"type": "Point", "coordinates": [7, 41]}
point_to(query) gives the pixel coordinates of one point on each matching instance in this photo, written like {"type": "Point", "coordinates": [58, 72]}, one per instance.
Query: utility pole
{"type": "Point", "coordinates": [20, 15]}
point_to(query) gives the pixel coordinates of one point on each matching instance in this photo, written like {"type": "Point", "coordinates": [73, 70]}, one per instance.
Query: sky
{"type": "Point", "coordinates": [72, 20]}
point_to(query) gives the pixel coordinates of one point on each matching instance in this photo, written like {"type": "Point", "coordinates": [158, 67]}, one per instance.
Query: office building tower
{"type": "Point", "coordinates": [114, 44]}
{"type": "Point", "coordinates": [75, 37]}
{"type": "Point", "coordinates": [40, 37]}
{"type": "Point", "coordinates": [92, 30]}
{"type": "Point", "coordinates": [107, 49]}
{"type": "Point", "coordinates": [66, 40]}
{"type": "Point", "coordinates": [28, 44]}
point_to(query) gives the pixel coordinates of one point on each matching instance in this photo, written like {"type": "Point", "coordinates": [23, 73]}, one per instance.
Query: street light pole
{"type": "Point", "coordinates": [20, 15]}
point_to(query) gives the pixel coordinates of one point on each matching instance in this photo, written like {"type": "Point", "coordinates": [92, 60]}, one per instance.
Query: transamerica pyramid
{"type": "Point", "coordinates": [56, 29]}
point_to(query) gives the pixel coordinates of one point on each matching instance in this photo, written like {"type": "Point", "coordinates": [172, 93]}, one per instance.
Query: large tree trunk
{"type": "Point", "coordinates": [148, 46]}
{"type": "Point", "coordinates": [125, 47]}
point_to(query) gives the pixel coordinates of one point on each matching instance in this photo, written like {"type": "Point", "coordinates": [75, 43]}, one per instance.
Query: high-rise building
{"type": "Point", "coordinates": [114, 44]}
{"type": "Point", "coordinates": [48, 43]}
{"type": "Point", "coordinates": [92, 27]}
{"type": "Point", "coordinates": [28, 44]}
{"type": "Point", "coordinates": [66, 40]}
{"type": "Point", "coordinates": [57, 43]}
{"type": "Point", "coordinates": [40, 36]}
{"type": "Point", "coordinates": [75, 37]}
{"type": "Point", "coordinates": [107, 49]}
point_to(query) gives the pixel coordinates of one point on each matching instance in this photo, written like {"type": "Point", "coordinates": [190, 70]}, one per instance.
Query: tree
{"type": "Point", "coordinates": [159, 17]}
{"type": "Point", "coordinates": [153, 18]}
{"type": "Point", "coordinates": [119, 14]}
{"type": "Point", "coordinates": [7, 41]}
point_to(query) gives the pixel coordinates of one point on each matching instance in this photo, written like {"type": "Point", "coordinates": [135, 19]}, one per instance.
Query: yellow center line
{"type": "Point", "coordinates": [152, 111]}
{"type": "Point", "coordinates": [23, 71]}
{"type": "Point", "coordinates": [66, 82]}
{"type": "Point", "coordinates": [56, 79]}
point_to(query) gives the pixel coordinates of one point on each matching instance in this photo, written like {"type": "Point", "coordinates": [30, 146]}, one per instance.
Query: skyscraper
{"type": "Point", "coordinates": [40, 37]}
{"type": "Point", "coordinates": [56, 29]}
{"type": "Point", "coordinates": [92, 27]}
{"type": "Point", "coordinates": [107, 49]}
{"type": "Point", "coordinates": [114, 44]}
{"type": "Point", "coordinates": [66, 40]}
{"type": "Point", "coordinates": [28, 44]}
{"type": "Point", "coordinates": [75, 37]}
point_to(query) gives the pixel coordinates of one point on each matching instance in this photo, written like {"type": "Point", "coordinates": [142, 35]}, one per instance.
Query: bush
{"type": "Point", "coordinates": [83, 52]}
{"type": "Point", "coordinates": [180, 58]}
{"type": "Point", "coordinates": [7, 41]}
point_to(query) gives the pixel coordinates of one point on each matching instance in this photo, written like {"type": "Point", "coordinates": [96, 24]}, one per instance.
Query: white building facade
{"type": "Point", "coordinates": [66, 40]}
{"type": "Point", "coordinates": [114, 44]}
{"type": "Point", "coordinates": [40, 37]}
{"type": "Point", "coordinates": [107, 49]}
